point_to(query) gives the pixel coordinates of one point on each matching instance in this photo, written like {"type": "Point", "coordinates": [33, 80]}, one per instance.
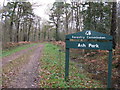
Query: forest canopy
{"type": "Point", "coordinates": [20, 23]}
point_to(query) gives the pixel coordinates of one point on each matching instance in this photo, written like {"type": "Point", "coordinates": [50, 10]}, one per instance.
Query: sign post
{"type": "Point", "coordinates": [88, 34]}
{"type": "Point", "coordinates": [67, 63]}
{"type": "Point", "coordinates": [109, 69]}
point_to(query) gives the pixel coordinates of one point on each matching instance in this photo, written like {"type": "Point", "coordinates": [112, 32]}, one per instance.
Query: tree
{"type": "Point", "coordinates": [118, 23]}
{"type": "Point", "coordinates": [12, 6]}
{"type": "Point", "coordinates": [76, 17]}
{"type": "Point", "coordinates": [113, 23]}
{"type": "Point", "coordinates": [55, 17]}
{"type": "Point", "coordinates": [97, 16]}
{"type": "Point", "coordinates": [67, 11]}
{"type": "Point", "coordinates": [18, 17]}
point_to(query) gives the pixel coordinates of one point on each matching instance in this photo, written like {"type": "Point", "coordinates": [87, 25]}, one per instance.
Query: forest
{"type": "Point", "coordinates": [21, 26]}
{"type": "Point", "coordinates": [19, 23]}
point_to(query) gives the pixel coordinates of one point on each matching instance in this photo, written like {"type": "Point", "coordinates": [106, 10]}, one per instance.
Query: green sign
{"type": "Point", "coordinates": [88, 34]}
{"type": "Point", "coordinates": [89, 45]}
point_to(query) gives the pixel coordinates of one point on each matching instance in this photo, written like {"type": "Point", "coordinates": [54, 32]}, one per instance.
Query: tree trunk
{"type": "Point", "coordinates": [89, 16]}
{"type": "Point", "coordinates": [113, 24]}
{"type": "Point", "coordinates": [118, 24]}
{"type": "Point", "coordinates": [11, 22]}
{"type": "Point", "coordinates": [48, 35]}
{"type": "Point", "coordinates": [29, 32]}
{"type": "Point", "coordinates": [35, 32]}
{"type": "Point", "coordinates": [39, 30]}
{"type": "Point", "coordinates": [17, 37]}
{"type": "Point", "coordinates": [10, 31]}
{"type": "Point", "coordinates": [57, 37]}
{"type": "Point", "coordinates": [77, 17]}
{"type": "Point", "coordinates": [66, 21]}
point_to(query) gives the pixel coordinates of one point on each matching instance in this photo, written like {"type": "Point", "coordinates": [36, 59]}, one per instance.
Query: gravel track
{"type": "Point", "coordinates": [27, 77]}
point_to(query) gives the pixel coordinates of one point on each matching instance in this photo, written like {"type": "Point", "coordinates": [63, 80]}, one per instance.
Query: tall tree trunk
{"type": "Point", "coordinates": [39, 30]}
{"type": "Point", "coordinates": [113, 23]}
{"type": "Point", "coordinates": [25, 31]}
{"type": "Point", "coordinates": [11, 22]}
{"type": "Point", "coordinates": [35, 32]}
{"type": "Point", "coordinates": [18, 21]}
{"type": "Point", "coordinates": [77, 17]}
{"type": "Point", "coordinates": [72, 15]}
{"type": "Point", "coordinates": [57, 37]}
{"type": "Point", "coordinates": [118, 23]}
{"type": "Point", "coordinates": [29, 28]}
{"type": "Point", "coordinates": [89, 16]}
{"type": "Point", "coordinates": [48, 35]}
{"type": "Point", "coordinates": [66, 20]}
{"type": "Point", "coordinates": [10, 31]}
{"type": "Point", "coordinates": [57, 27]}
{"type": "Point", "coordinates": [17, 37]}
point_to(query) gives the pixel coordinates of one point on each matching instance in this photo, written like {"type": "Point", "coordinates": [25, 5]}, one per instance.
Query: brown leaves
{"type": "Point", "coordinates": [59, 43]}
{"type": "Point", "coordinates": [14, 44]}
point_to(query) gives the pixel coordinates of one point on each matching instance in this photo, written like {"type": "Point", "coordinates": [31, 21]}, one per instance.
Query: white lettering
{"type": "Point", "coordinates": [78, 37]}
{"type": "Point", "coordinates": [87, 37]}
{"type": "Point", "coordinates": [93, 46]}
{"type": "Point", "coordinates": [81, 45]}
{"type": "Point", "coordinates": [96, 37]}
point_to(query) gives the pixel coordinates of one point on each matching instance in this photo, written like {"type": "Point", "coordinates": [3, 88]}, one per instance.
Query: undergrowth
{"type": "Point", "coordinates": [52, 71]}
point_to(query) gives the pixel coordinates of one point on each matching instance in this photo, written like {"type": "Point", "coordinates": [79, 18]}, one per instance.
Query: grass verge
{"type": "Point", "coordinates": [52, 71]}
{"type": "Point", "coordinates": [16, 49]}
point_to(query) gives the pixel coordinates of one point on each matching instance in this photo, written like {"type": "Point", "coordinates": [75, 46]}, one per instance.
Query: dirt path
{"type": "Point", "coordinates": [28, 74]}
{"type": "Point", "coordinates": [14, 56]}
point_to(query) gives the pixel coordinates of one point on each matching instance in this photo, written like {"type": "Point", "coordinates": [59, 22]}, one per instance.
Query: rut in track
{"type": "Point", "coordinates": [27, 77]}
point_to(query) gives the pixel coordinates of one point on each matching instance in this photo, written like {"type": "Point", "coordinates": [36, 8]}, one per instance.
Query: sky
{"type": "Point", "coordinates": [42, 7]}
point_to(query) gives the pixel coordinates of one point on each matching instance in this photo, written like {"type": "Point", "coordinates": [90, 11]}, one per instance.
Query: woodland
{"type": "Point", "coordinates": [20, 25]}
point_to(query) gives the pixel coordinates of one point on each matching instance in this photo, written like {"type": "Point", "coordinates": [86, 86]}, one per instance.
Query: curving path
{"type": "Point", "coordinates": [27, 77]}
